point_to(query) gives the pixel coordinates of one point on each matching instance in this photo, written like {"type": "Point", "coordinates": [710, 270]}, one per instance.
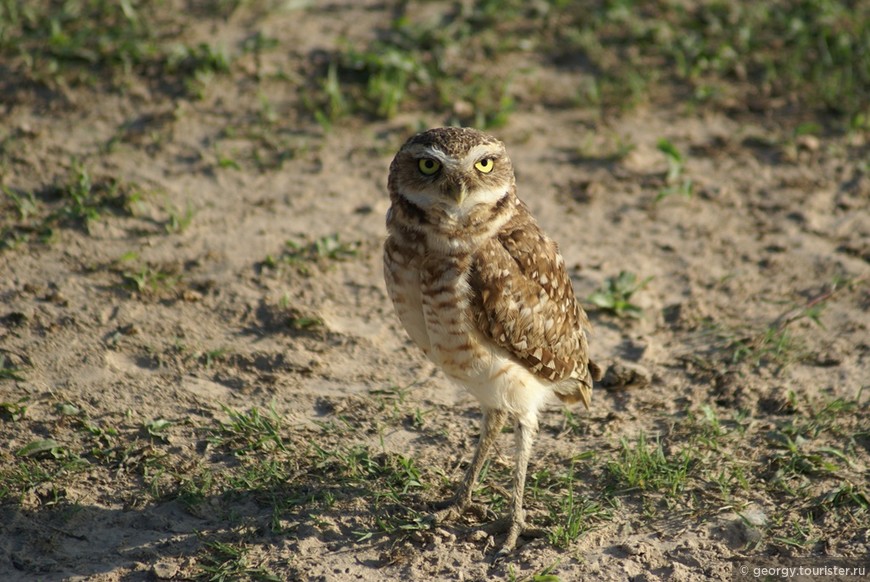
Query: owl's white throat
{"type": "Point", "coordinates": [429, 201]}
{"type": "Point", "coordinates": [487, 196]}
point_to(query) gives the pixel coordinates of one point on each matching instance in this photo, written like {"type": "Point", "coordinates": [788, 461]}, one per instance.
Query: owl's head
{"type": "Point", "coordinates": [452, 169]}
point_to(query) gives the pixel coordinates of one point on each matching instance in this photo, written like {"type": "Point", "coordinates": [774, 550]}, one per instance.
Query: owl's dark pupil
{"type": "Point", "coordinates": [429, 164]}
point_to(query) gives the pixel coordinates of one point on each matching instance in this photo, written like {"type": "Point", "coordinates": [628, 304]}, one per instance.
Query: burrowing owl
{"type": "Point", "coordinates": [483, 292]}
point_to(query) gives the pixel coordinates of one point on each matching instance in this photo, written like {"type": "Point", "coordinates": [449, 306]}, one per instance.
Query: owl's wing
{"type": "Point", "coordinates": [525, 303]}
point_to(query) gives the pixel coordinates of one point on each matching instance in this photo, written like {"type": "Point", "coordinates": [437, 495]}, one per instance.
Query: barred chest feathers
{"type": "Point", "coordinates": [433, 297]}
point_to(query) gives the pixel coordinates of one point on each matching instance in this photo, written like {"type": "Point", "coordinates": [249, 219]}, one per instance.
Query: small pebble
{"type": "Point", "coordinates": [164, 570]}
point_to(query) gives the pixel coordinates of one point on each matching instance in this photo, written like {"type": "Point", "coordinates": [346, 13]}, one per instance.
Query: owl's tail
{"type": "Point", "coordinates": [579, 389]}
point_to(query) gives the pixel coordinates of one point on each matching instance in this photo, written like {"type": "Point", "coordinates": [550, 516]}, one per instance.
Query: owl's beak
{"type": "Point", "coordinates": [457, 191]}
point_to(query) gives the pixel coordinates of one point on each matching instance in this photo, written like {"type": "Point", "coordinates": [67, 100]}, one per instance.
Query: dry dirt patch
{"type": "Point", "coordinates": [201, 375]}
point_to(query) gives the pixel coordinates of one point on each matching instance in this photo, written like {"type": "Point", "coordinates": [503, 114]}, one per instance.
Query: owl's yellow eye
{"type": "Point", "coordinates": [428, 166]}
{"type": "Point", "coordinates": [485, 165]}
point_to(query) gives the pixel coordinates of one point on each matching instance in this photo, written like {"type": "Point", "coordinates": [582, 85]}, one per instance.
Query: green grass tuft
{"type": "Point", "coordinates": [615, 296]}
{"type": "Point", "coordinates": [645, 466]}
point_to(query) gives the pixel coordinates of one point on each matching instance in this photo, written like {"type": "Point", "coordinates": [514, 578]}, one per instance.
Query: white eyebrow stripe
{"type": "Point", "coordinates": [474, 155]}
{"type": "Point", "coordinates": [428, 151]}
{"type": "Point", "coordinates": [434, 152]}
{"type": "Point", "coordinates": [481, 151]}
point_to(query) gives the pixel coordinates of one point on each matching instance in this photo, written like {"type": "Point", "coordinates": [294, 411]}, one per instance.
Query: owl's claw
{"type": "Point", "coordinates": [450, 502]}
{"type": "Point", "coordinates": [449, 513]}
{"type": "Point", "coordinates": [454, 508]}
{"type": "Point", "coordinates": [515, 528]}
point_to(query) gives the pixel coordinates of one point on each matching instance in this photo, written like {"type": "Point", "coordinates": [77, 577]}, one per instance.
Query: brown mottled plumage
{"type": "Point", "coordinates": [483, 292]}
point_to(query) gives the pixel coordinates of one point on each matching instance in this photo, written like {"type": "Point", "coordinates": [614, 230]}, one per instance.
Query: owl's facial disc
{"type": "Point", "coordinates": [455, 181]}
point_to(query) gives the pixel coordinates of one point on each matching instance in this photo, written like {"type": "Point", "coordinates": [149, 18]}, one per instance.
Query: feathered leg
{"type": "Point", "coordinates": [490, 427]}
{"type": "Point", "coordinates": [523, 436]}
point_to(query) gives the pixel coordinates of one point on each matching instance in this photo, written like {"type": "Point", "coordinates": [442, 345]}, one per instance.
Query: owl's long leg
{"type": "Point", "coordinates": [523, 436]}
{"type": "Point", "coordinates": [490, 427]}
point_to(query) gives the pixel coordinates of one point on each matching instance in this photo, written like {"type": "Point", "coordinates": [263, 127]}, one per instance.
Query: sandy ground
{"type": "Point", "coordinates": [774, 223]}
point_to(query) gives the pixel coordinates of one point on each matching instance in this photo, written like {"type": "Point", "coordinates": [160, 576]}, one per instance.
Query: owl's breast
{"type": "Point", "coordinates": [456, 345]}
{"type": "Point", "coordinates": [446, 300]}
{"type": "Point", "coordinates": [467, 355]}
{"type": "Point", "coordinates": [402, 278]}
{"type": "Point", "coordinates": [432, 295]}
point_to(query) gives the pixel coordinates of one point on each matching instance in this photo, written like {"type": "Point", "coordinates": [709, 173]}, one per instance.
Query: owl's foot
{"type": "Point", "coordinates": [454, 508]}
{"type": "Point", "coordinates": [515, 528]}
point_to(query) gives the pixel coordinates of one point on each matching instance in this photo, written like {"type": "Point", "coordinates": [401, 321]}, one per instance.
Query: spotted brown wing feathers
{"type": "Point", "coordinates": [528, 307]}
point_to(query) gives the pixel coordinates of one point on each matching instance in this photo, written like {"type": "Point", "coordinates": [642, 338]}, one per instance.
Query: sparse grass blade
{"type": "Point", "coordinates": [615, 296]}
{"type": "Point", "coordinates": [179, 220]}
{"type": "Point", "coordinates": [13, 411]}
{"type": "Point", "coordinates": [574, 516]}
{"type": "Point", "coordinates": [320, 252]}
{"type": "Point", "coordinates": [225, 562]}
{"type": "Point", "coordinates": [9, 371]}
{"type": "Point", "coordinates": [675, 180]}
{"type": "Point", "coordinates": [250, 431]}
{"type": "Point", "coordinates": [645, 466]}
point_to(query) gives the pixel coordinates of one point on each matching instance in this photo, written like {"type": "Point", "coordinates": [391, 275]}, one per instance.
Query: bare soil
{"type": "Point", "coordinates": [225, 317]}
